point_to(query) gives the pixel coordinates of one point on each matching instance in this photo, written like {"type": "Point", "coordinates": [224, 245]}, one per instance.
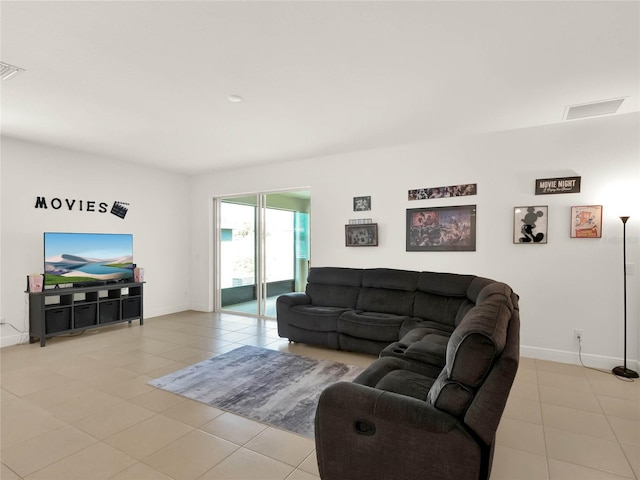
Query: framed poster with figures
{"type": "Point", "coordinates": [586, 222]}
{"type": "Point", "coordinates": [441, 229]}
{"type": "Point", "coordinates": [361, 235]}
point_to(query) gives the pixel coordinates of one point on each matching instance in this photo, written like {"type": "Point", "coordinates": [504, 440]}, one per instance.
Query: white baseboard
{"type": "Point", "coordinates": [200, 308]}
{"type": "Point", "coordinates": [158, 312]}
{"type": "Point", "coordinates": [590, 360]}
{"type": "Point", "coordinates": [18, 338]}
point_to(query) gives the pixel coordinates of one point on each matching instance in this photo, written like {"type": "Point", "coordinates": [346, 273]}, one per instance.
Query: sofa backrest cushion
{"type": "Point", "coordinates": [440, 308]}
{"type": "Point", "coordinates": [388, 291]}
{"type": "Point", "coordinates": [390, 278]}
{"type": "Point", "coordinates": [334, 286]}
{"type": "Point", "coordinates": [442, 297]}
{"type": "Point", "coordinates": [476, 286]}
{"type": "Point", "coordinates": [473, 347]}
{"type": "Point", "coordinates": [447, 297]}
{"type": "Point", "coordinates": [384, 300]}
{"type": "Point", "coordinates": [446, 284]}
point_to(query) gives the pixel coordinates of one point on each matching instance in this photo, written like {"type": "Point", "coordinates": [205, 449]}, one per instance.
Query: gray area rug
{"type": "Point", "coordinates": [277, 388]}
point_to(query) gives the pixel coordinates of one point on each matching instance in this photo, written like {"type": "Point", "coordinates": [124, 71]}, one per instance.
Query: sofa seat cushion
{"type": "Point", "coordinates": [415, 329]}
{"type": "Point", "coordinates": [432, 350]}
{"type": "Point", "coordinates": [405, 382]}
{"type": "Point", "coordinates": [399, 376]}
{"type": "Point", "coordinates": [314, 317]}
{"type": "Point", "coordinates": [371, 325]}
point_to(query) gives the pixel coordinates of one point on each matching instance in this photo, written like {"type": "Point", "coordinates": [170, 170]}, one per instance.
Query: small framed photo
{"type": "Point", "coordinates": [361, 204]}
{"type": "Point", "coordinates": [530, 224]}
{"type": "Point", "coordinates": [362, 235]}
{"type": "Point", "coordinates": [441, 229]}
{"type": "Point", "coordinates": [586, 222]}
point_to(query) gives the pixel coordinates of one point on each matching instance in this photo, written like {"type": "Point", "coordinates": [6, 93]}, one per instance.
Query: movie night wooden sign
{"type": "Point", "coordinates": [546, 186]}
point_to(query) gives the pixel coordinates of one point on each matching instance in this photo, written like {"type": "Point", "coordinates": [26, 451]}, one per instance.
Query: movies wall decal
{"type": "Point", "coordinates": [118, 208]}
{"type": "Point", "coordinates": [443, 192]}
{"type": "Point", "coordinates": [441, 229]}
{"type": "Point", "coordinates": [530, 224]}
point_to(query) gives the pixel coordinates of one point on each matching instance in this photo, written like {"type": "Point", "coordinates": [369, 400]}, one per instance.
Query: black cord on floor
{"type": "Point", "coordinates": [608, 372]}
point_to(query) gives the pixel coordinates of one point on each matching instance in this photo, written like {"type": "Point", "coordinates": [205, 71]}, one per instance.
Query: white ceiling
{"type": "Point", "coordinates": [148, 81]}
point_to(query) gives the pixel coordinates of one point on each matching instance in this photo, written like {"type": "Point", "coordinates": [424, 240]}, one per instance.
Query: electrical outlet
{"type": "Point", "coordinates": [578, 334]}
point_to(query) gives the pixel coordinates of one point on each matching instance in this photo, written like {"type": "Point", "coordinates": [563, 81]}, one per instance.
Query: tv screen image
{"type": "Point", "coordinates": [87, 257]}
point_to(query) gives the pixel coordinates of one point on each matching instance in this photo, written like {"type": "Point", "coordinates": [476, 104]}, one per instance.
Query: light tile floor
{"type": "Point", "coordinates": [80, 408]}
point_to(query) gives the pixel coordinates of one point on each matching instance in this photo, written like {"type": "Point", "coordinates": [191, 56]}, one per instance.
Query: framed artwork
{"type": "Point", "coordinates": [586, 222]}
{"type": "Point", "coordinates": [361, 204]}
{"type": "Point", "coordinates": [363, 235]}
{"type": "Point", "coordinates": [441, 229]}
{"type": "Point", "coordinates": [443, 192]}
{"type": "Point", "coordinates": [530, 224]}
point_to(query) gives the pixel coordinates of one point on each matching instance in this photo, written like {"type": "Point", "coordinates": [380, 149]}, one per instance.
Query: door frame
{"type": "Point", "coordinates": [260, 261]}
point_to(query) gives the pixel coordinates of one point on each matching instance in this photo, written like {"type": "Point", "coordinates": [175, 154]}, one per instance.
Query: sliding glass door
{"type": "Point", "coordinates": [263, 250]}
{"type": "Point", "coordinates": [238, 256]}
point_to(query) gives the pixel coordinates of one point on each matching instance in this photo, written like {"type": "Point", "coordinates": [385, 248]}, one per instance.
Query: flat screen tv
{"type": "Point", "coordinates": [83, 258]}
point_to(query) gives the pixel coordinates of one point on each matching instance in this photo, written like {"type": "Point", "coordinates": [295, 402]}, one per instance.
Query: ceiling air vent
{"type": "Point", "coordinates": [603, 107]}
{"type": "Point", "coordinates": [7, 71]}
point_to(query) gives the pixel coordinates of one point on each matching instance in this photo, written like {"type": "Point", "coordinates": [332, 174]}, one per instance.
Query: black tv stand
{"type": "Point", "coordinates": [61, 311]}
{"type": "Point", "coordinates": [89, 284]}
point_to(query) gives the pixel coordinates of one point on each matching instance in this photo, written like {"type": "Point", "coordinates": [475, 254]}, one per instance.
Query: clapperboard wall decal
{"type": "Point", "coordinates": [120, 209]}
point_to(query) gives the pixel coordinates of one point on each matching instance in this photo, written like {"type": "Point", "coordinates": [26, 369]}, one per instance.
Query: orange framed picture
{"type": "Point", "coordinates": [586, 221]}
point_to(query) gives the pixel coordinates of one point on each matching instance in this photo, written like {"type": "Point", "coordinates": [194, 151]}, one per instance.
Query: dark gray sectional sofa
{"type": "Point", "coordinates": [430, 405]}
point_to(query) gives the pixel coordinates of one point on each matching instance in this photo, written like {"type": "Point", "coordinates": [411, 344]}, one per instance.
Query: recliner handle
{"type": "Point", "coordinates": [363, 427]}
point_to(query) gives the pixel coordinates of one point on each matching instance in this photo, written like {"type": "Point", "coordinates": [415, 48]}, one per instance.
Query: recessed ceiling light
{"type": "Point", "coordinates": [234, 98]}
{"type": "Point", "coordinates": [7, 71]}
{"type": "Point", "coordinates": [593, 109]}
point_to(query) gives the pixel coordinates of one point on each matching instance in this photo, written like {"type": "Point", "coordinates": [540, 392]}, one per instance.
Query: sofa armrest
{"type": "Point", "coordinates": [293, 299]}
{"type": "Point", "coordinates": [368, 404]}
{"type": "Point", "coordinates": [363, 433]}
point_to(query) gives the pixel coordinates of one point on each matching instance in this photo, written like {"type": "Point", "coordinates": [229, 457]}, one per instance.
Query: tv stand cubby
{"type": "Point", "coordinates": [68, 310]}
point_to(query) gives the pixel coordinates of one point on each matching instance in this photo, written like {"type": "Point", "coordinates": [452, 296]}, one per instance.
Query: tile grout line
{"type": "Point", "coordinates": [618, 441]}
{"type": "Point", "coordinates": [544, 429]}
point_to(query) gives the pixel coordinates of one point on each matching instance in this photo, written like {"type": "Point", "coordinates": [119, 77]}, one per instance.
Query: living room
{"type": "Point", "coordinates": [564, 285]}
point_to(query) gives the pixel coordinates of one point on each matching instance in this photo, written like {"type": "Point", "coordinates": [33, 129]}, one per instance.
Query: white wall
{"type": "Point", "coordinates": [565, 284]}
{"type": "Point", "coordinates": [157, 217]}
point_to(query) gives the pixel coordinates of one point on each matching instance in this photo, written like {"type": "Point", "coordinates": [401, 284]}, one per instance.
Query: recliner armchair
{"type": "Point", "coordinates": [406, 419]}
